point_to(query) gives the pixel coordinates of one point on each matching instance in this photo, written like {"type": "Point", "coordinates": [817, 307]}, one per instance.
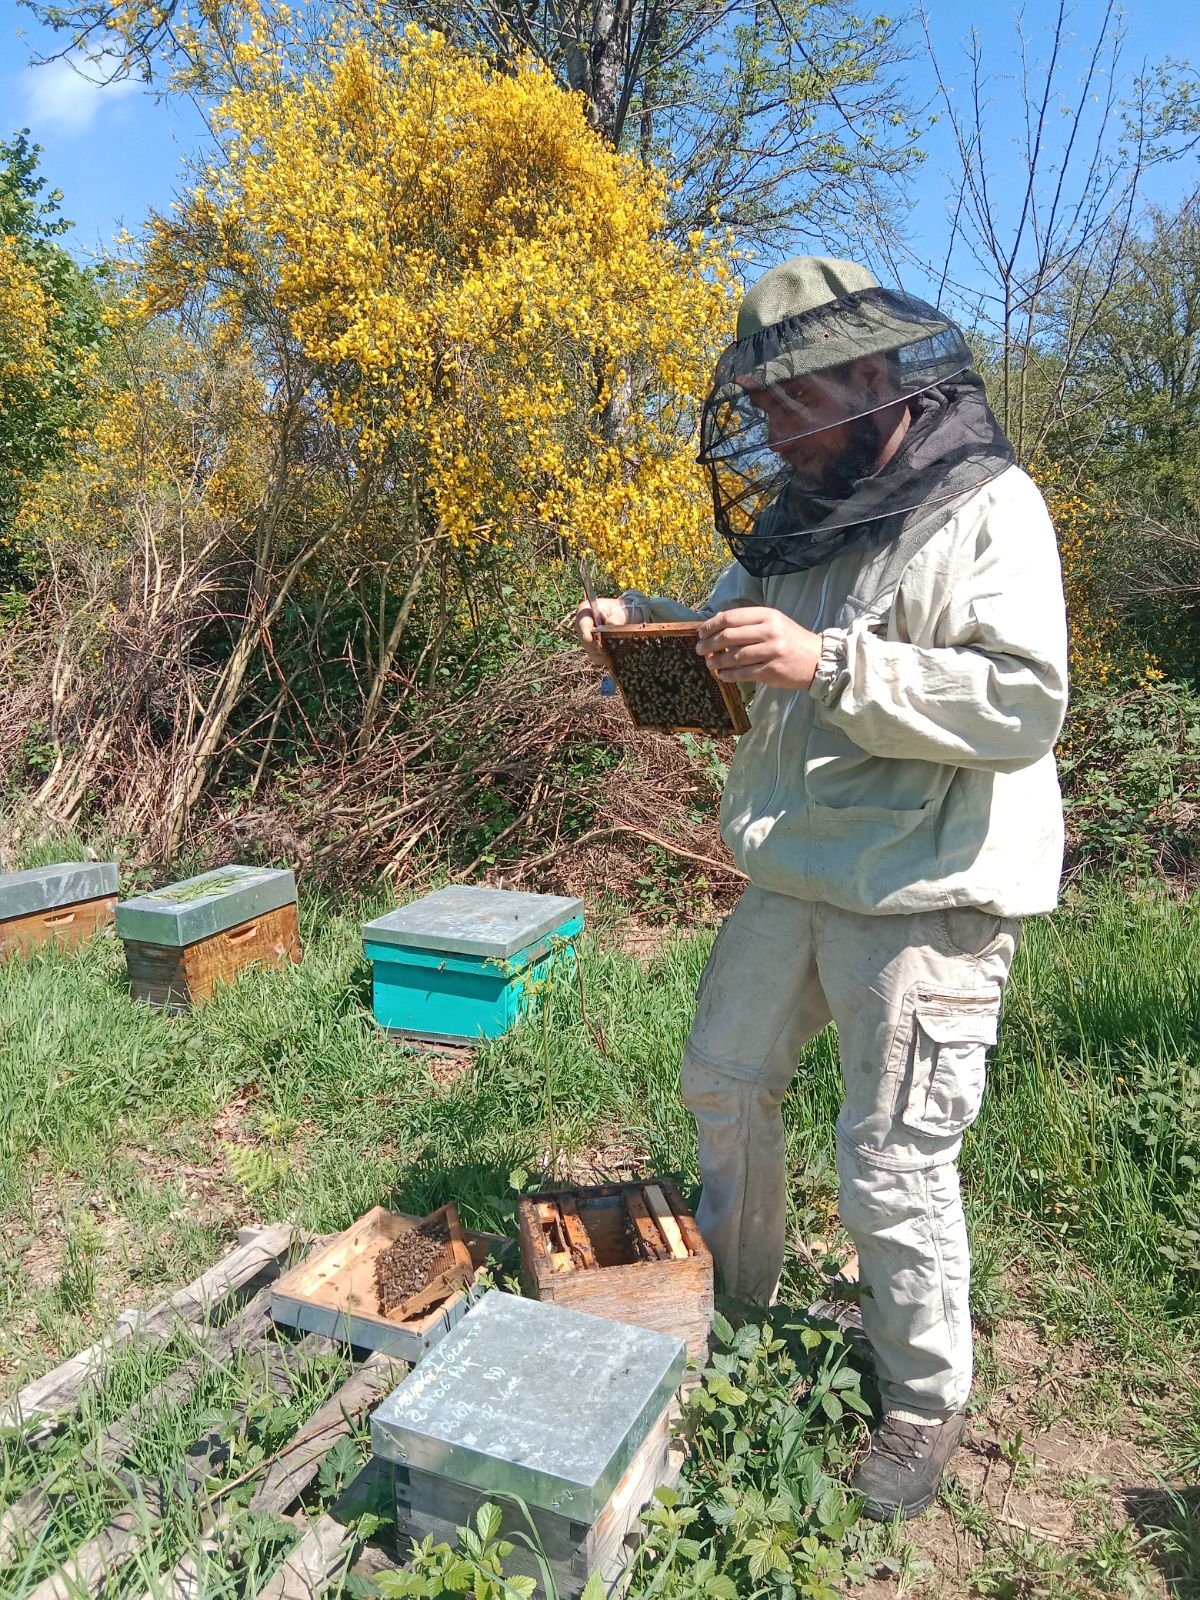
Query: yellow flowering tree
{"type": "Point", "coordinates": [416, 332]}
{"type": "Point", "coordinates": [1090, 524]}
{"type": "Point", "coordinates": [479, 287]}
{"type": "Point", "coordinates": [48, 328]}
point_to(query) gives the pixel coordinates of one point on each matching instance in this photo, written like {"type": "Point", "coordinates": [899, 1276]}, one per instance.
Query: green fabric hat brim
{"type": "Point", "coordinates": [869, 322]}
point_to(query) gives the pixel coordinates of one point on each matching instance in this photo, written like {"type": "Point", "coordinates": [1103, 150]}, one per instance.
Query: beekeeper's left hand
{"type": "Point", "coordinates": [757, 644]}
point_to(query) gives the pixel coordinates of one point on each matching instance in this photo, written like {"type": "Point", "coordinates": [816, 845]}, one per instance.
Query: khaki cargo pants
{"type": "Point", "coordinates": [915, 999]}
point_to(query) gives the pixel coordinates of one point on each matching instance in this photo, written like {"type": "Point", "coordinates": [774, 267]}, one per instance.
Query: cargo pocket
{"type": "Point", "coordinates": [951, 1035]}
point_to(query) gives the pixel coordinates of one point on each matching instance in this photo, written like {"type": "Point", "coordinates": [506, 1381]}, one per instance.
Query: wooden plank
{"type": "Point", "coordinates": [648, 1235]}
{"type": "Point", "coordinates": [59, 1392]}
{"type": "Point", "coordinates": [300, 1459]}
{"type": "Point", "coordinates": [293, 1469]}
{"type": "Point", "coordinates": [221, 1345]}
{"type": "Point", "coordinates": [102, 1557]}
{"type": "Point", "coordinates": [577, 1235]}
{"type": "Point", "coordinates": [555, 1235]}
{"type": "Point", "coordinates": [67, 926]}
{"type": "Point", "coordinates": [665, 1218]}
{"type": "Point", "coordinates": [25, 1518]}
{"type": "Point", "coordinates": [317, 1560]}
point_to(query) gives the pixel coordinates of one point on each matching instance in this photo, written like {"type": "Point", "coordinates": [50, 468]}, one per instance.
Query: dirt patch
{"type": "Point", "coordinates": [1036, 1484]}
{"type": "Point", "coordinates": [446, 1063]}
{"type": "Point", "coordinates": [616, 1156]}
{"type": "Point", "coordinates": [83, 1251]}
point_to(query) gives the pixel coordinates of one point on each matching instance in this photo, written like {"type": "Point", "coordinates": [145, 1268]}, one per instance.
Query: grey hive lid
{"type": "Point", "coordinates": [531, 1399]}
{"type": "Point", "coordinates": [65, 883]}
{"type": "Point", "coordinates": [196, 908]}
{"type": "Point", "coordinates": [462, 920]}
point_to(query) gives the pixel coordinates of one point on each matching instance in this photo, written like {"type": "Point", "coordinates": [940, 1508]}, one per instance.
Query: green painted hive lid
{"type": "Point", "coordinates": [493, 923]}
{"type": "Point", "coordinates": [66, 883]}
{"type": "Point", "coordinates": [198, 907]}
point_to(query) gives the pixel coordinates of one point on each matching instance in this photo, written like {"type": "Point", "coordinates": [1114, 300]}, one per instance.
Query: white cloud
{"type": "Point", "coordinates": [67, 94]}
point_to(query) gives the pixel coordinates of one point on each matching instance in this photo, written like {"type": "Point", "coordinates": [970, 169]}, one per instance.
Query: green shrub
{"type": "Point", "coordinates": [1130, 767]}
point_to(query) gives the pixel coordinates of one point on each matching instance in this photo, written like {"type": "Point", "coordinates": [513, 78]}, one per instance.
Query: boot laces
{"type": "Point", "coordinates": [901, 1442]}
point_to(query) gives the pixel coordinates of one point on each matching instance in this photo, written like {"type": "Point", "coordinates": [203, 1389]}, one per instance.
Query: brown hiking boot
{"type": "Point", "coordinates": [905, 1466]}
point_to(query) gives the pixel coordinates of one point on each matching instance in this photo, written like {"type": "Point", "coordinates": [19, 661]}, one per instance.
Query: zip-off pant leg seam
{"type": "Point", "coordinates": [887, 1163]}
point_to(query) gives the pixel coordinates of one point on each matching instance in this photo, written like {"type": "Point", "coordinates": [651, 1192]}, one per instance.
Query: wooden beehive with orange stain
{"type": "Point", "coordinates": [181, 941]}
{"type": "Point", "coordinates": [628, 1251]}
{"type": "Point", "coordinates": [63, 904]}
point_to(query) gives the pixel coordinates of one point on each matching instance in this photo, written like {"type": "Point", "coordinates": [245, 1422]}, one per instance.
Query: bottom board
{"type": "Point", "coordinates": [62, 925]}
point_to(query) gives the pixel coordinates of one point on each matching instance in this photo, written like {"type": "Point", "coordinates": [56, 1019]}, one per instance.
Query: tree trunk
{"type": "Point", "coordinates": [608, 53]}
{"type": "Point", "coordinates": [390, 646]}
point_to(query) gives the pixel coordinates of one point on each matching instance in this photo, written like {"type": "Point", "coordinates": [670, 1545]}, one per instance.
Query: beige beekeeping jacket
{"type": "Point", "coordinates": [918, 772]}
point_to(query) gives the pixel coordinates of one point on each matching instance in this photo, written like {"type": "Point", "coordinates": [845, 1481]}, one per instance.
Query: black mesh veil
{"type": "Point", "coordinates": [792, 428]}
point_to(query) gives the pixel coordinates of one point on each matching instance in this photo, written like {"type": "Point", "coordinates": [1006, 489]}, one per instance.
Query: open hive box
{"type": "Point", "coordinates": [627, 1251]}
{"type": "Point", "coordinates": [665, 685]}
{"type": "Point", "coordinates": [355, 1289]}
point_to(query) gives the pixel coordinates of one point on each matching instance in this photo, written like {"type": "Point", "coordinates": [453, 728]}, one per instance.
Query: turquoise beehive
{"type": "Point", "coordinates": [457, 965]}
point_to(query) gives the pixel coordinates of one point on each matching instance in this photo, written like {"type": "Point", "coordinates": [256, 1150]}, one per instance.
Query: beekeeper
{"type": "Point", "coordinates": [895, 604]}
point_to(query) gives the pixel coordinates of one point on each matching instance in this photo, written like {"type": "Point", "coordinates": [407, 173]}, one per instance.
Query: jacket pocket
{"type": "Point", "coordinates": [950, 1037]}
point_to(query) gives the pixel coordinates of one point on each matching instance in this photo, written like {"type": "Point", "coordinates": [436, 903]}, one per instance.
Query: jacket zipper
{"type": "Point", "coordinates": [791, 705]}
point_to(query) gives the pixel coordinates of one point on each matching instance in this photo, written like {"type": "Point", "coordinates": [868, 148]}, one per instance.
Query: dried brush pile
{"type": "Point", "coordinates": [532, 780]}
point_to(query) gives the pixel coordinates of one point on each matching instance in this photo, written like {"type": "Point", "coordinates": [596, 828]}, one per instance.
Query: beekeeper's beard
{"type": "Point", "coordinates": [841, 472]}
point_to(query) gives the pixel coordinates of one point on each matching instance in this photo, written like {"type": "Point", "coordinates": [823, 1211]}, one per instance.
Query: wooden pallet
{"type": "Point", "coordinates": [228, 1312]}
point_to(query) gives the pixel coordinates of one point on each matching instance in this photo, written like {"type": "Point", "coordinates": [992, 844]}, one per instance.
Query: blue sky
{"type": "Point", "coordinates": [117, 153]}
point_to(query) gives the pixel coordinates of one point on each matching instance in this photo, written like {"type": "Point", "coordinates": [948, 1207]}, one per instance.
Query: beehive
{"type": "Point", "coordinates": [457, 965]}
{"type": "Point", "coordinates": [631, 1251]}
{"type": "Point", "coordinates": [334, 1292]}
{"type": "Point", "coordinates": [181, 941]}
{"type": "Point", "coordinates": [63, 904]}
{"type": "Point", "coordinates": [665, 684]}
{"type": "Point", "coordinates": [564, 1412]}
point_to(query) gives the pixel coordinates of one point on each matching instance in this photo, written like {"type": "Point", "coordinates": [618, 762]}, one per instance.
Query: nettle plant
{"type": "Point", "coordinates": [760, 1511]}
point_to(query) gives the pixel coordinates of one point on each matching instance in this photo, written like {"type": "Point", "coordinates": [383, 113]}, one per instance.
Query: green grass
{"type": "Point", "coordinates": [1081, 1176]}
